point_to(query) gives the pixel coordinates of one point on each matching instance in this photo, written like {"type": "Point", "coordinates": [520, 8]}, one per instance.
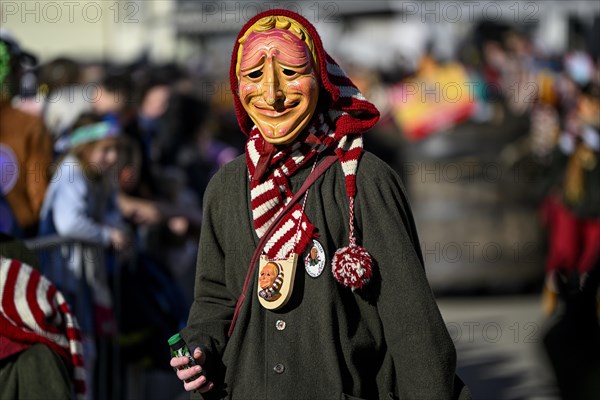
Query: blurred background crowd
{"type": "Point", "coordinates": [114, 116]}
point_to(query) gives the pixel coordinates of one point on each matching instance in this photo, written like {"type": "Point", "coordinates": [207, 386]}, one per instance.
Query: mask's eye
{"type": "Point", "coordinates": [255, 74]}
{"type": "Point", "coordinates": [288, 72]}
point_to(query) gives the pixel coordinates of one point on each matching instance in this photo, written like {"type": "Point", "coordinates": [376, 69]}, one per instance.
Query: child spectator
{"type": "Point", "coordinates": [80, 207]}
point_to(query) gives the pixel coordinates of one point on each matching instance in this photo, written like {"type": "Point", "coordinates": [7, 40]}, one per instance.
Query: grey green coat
{"type": "Point", "coordinates": [387, 341]}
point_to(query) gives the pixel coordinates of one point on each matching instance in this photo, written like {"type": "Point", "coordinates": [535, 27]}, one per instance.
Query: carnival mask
{"type": "Point", "coordinates": [278, 85]}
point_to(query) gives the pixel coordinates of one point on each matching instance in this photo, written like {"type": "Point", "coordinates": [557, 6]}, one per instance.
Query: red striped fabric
{"type": "Point", "coordinates": [33, 311]}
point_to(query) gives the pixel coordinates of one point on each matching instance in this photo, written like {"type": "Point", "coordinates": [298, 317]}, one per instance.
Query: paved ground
{"type": "Point", "coordinates": [498, 341]}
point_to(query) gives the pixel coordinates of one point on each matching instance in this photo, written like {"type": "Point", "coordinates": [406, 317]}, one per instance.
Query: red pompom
{"type": "Point", "coordinates": [352, 266]}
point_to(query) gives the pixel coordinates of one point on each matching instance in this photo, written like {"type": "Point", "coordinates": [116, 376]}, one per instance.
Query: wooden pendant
{"type": "Point", "coordinates": [276, 281]}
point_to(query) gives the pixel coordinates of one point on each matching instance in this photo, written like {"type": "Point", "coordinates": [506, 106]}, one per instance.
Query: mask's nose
{"type": "Point", "coordinates": [272, 91]}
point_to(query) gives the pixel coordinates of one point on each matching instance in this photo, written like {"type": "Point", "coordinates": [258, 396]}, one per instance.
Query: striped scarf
{"type": "Point", "coordinates": [270, 194]}
{"type": "Point", "coordinates": [32, 310]}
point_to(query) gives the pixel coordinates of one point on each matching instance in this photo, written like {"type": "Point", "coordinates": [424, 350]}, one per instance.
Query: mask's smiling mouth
{"type": "Point", "coordinates": [276, 110]}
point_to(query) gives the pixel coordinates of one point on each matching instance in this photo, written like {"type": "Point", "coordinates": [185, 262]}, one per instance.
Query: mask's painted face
{"type": "Point", "coordinates": [278, 86]}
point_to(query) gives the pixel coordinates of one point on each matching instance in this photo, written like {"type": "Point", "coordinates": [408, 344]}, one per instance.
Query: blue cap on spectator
{"type": "Point", "coordinates": [92, 133]}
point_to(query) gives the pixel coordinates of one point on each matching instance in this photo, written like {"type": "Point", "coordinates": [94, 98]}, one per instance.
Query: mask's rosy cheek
{"type": "Point", "coordinates": [310, 85]}
{"type": "Point", "coordinates": [306, 86]}
{"type": "Point", "coordinates": [290, 88]}
{"type": "Point", "coordinates": [248, 90]}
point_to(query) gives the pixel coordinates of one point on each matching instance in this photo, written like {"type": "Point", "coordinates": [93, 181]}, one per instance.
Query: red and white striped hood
{"type": "Point", "coordinates": [33, 310]}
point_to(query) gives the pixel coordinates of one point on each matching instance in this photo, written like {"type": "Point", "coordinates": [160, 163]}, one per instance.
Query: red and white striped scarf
{"type": "Point", "coordinates": [271, 192]}
{"type": "Point", "coordinates": [33, 310]}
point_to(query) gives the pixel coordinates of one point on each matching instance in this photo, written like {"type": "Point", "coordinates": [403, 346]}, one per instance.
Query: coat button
{"type": "Point", "coordinates": [280, 324]}
{"type": "Point", "coordinates": [279, 368]}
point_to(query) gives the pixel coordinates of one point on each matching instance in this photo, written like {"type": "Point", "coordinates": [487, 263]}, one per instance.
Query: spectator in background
{"type": "Point", "coordinates": [65, 98]}
{"type": "Point", "coordinates": [116, 102]}
{"type": "Point", "coordinates": [59, 73]}
{"type": "Point", "coordinates": [80, 206]}
{"type": "Point", "coordinates": [572, 209]}
{"type": "Point", "coordinates": [38, 85]}
{"type": "Point", "coordinates": [25, 146]}
{"type": "Point", "coordinates": [145, 211]}
{"type": "Point", "coordinates": [113, 97]}
{"type": "Point", "coordinates": [46, 346]}
{"type": "Point", "coordinates": [158, 196]}
{"type": "Point", "coordinates": [154, 102]}
{"type": "Point", "coordinates": [63, 107]}
{"type": "Point", "coordinates": [209, 150]}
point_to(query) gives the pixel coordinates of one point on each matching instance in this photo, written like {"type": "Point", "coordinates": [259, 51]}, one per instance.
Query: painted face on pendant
{"type": "Point", "coordinates": [278, 85]}
{"type": "Point", "coordinates": [267, 276]}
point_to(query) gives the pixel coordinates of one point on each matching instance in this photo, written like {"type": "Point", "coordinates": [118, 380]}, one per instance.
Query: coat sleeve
{"type": "Point", "coordinates": [416, 336]}
{"type": "Point", "coordinates": [213, 306]}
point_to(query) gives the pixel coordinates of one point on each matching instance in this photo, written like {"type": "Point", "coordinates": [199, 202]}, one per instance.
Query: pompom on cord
{"type": "Point", "coordinates": [352, 266]}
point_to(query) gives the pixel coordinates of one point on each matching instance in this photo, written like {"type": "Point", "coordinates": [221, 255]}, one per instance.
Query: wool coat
{"type": "Point", "coordinates": [385, 341]}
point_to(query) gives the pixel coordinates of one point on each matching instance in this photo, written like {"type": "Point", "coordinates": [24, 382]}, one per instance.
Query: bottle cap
{"type": "Point", "coordinates": [174, 339]}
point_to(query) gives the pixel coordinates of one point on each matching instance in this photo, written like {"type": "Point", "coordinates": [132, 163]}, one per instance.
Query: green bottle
{"type": "Point", "coordinates": [180, 349]}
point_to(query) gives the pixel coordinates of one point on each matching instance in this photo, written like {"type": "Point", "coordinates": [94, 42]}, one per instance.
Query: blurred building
{"type": "Point", "coordinates": [92, 30]}
{"type": "Point", "coordinates": [372, 33]}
